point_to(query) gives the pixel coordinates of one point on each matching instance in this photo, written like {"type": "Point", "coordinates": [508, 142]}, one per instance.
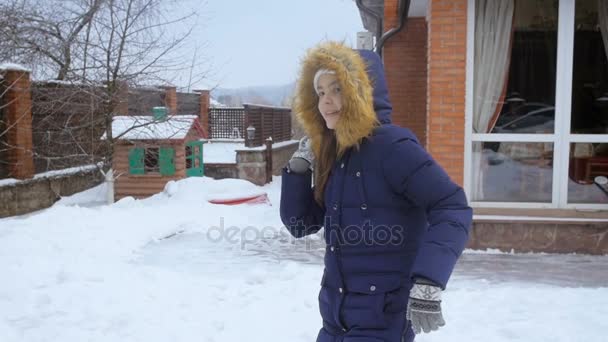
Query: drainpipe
{"type": "Point", "coordinates": [404, 8]}
{"type": "Point", "coordinates": [376, 16]}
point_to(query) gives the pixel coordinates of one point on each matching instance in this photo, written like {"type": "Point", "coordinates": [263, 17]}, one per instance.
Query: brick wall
{"type": "Point", "coordinates": [170, 100]}
{"type": "Point", "coordinates": [405, 60]}
{"type": "Point", "coordinates": [17, 103]}
{"type": "Point", "coordinates": [67, 123]}
{"type": "Point", "coordinates": [446, 86]}
{"type": "Point", "coordinates": [204, 104]}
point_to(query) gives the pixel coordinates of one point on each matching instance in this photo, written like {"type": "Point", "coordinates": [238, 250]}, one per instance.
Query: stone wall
{"type": "Point", "coordinates": [538, 236]}
{"type": "Point", "coordinates": [35, 194]}
{"type": "Point", "coordinates": [221, 171]}
{"type": "Point", "coordinates": [280, 157]}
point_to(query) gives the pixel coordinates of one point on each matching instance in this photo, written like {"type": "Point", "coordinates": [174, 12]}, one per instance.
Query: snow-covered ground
{"type": "Point", "coordinates": [174, 267]}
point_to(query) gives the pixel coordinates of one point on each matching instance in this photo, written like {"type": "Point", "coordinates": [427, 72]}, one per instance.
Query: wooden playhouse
{"type": "Point", "coordinates": [151, 150]}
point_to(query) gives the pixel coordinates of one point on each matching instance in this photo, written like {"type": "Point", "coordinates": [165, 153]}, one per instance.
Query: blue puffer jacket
{"type": "Point", "coordinates": [390, 211]}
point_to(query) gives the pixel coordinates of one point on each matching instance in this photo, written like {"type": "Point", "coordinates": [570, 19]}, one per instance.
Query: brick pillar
{"type": "Point", "coordinates": [204, 104]}
{"type": "Point", "coordinates": [405, 60]}
{"type": "Point", "coordinates": [447, 83]}
{"type": "Point", "coordinates": [17, 102]}
{"type": "Point", "coordinates": [171, 100]}
{"type": "Point", "coordinates": [122, 100]}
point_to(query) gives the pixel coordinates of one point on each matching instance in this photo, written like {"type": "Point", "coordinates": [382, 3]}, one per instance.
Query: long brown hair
{"type": "Point", "coordinates": [328, 152]}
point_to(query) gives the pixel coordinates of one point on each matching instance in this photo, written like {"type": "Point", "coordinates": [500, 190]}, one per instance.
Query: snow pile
{"type": "Point", "coordinates": [201, 189]}
{"type": "Point", "coordinates": [175, 267]}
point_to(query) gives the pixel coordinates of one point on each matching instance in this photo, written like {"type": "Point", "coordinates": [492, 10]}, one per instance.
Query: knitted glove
{"type": "Point", "coordinates": [303, 159]}
{"type": "Point", "coordinates": [424, 306]}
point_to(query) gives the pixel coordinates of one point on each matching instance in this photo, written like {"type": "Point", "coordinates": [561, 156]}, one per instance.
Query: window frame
{"type": "Point", "coordinates": [561, 137]}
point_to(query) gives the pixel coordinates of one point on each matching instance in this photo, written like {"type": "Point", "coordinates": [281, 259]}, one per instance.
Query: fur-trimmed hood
{"type": "Point", "coordinates": [365, 103]}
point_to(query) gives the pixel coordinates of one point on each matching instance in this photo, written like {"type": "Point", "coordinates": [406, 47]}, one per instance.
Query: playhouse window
{"type": "Point", "coordinates": [189, 157]}
{"type": "Point", "coordinates": [151, 160]}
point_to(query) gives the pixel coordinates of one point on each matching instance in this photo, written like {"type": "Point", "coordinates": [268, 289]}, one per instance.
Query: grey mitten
{"type": "Point", "coordinates": [303, 159]}
{"type": "Point", "coordinates": [424, 307]}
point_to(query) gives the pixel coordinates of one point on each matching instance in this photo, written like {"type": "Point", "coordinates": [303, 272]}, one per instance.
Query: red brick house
{"type": "Point", "coordinates": [511, 98]}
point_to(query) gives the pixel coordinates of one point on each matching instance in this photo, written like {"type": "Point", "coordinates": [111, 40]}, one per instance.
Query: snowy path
{"type": "Point", "coordinates": [106, 273]}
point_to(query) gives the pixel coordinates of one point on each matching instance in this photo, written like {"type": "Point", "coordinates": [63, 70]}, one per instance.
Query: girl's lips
{"type": "Point", "coordinates": [333, 113]}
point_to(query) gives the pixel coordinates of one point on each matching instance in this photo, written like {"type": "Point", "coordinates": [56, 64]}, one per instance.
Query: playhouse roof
{"type": "Point", "coordinates": [175, 127]}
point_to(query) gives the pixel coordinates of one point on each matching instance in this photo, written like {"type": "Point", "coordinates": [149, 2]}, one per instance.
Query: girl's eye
{"type": "Point", "coordinates": [336, 90]}
{"type": "Point", "coordinates": [321, 93]}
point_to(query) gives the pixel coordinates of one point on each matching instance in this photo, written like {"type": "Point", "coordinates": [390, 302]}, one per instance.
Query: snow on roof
{"type": "Point", "coordinates": [175, 127]}
{"type": "Point", "coordinates": [13, 66]}
{"type": "Point", "coordinates": [215, 103]}
{"type": "Point", "coordinates": [265, 106]}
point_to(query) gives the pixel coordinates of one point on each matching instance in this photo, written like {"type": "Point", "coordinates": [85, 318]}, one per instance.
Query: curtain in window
{"type": "Point", "coordinates": [602, 10]}
{"type": "Point", "coordinates": [493, 23]}
{"type": "Point", "coordinates": [493, 26]}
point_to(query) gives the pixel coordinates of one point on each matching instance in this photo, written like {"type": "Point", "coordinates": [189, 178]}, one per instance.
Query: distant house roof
{"type": "Point", "coordinates": [215, 103]}
{"type": "Point", "coordinates": [175, 127]}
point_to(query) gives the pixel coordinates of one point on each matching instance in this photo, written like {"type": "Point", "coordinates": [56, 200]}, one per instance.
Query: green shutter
{"type": "Point", "coordinates": [167, 164]}
{"type": "Point", "coordinates": [197, 155]}
{"type": "Point", "coordinates": [136, 161]}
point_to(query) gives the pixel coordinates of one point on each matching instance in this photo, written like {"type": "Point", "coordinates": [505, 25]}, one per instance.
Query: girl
{"type": "Point", "coordinates": [395, 224]}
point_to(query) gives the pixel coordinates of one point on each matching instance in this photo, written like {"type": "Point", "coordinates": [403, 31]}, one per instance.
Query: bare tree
{"type": "Point", "coordinates": [99, 46]}
{"type": "Point", "coordinates": [46, 31]}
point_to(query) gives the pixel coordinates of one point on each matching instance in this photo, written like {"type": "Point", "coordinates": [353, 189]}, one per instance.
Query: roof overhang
{"type": "Point", "coordinates": [418, 8]}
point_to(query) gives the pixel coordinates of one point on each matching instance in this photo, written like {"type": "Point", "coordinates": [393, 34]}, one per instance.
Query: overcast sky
{"type": "Point", "coordinates": [260, 42]}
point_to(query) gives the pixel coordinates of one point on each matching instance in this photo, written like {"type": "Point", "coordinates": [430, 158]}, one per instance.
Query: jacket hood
{"type": "Point", "coordinates": [365, 102]}
{"type": "Point", "coordinates": [375, 71]}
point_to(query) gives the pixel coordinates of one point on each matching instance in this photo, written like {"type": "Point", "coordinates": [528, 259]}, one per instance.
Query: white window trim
{"type": "Point", "coordinates": [562, 137]}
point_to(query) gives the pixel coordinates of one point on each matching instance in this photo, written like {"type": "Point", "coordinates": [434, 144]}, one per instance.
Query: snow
{"type": "Point", "coordinates": [274, 145]}
{"type": "Point", "coordinates": [9, 181]}
{"type": "Point", "coordinates": [174, 267]}
{"type": "Point", "coordinates": [224, 151]}
{"type": "Point", "coordinates": [146, 128]}
{"type": "Point", "coordinates": [217, 152]}
{"type": "Point", "coordinates": [65, 172]}
{"type": "Point", "coordinates": [265, 106]}
{"type": "Point", "coordinates": [50, 174]}
{"type": "Point", "coordinates": [216, 104]}
{"type": "Point", "coordinates": [14, 66]}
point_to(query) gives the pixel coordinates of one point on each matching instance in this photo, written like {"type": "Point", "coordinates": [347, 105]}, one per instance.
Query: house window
{"type": "Point", "coordinates": [588, 159]}
{"type": "Point", "coordinates": [514, 96]}
{"type": "Point", "coordinates": [539, 109]}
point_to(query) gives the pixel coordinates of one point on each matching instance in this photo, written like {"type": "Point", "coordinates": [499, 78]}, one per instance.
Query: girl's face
{"type": "Point", "coordinates": [330, 99]}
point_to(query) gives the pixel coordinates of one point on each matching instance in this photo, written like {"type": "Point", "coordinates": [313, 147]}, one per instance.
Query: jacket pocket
{"type": "Point", "coordinates": [365, 300]}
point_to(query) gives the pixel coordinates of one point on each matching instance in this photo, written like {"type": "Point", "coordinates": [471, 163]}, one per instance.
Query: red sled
{"type": "Point", "coordinates": [256, 199]}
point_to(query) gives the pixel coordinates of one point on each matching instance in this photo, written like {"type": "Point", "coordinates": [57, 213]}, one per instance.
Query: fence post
{"type": "Point", "coordinates": [248, 141]}
{"type": "Point", "coordinates": [17, 101]}
{"type": "Point", "coordinates": [268, 159]}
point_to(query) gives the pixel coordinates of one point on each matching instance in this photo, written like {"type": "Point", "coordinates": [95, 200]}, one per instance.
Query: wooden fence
{"type": "Point", "coordinates": [227, 123]}
{"type": "Point", "coordinates": [232, 123]}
